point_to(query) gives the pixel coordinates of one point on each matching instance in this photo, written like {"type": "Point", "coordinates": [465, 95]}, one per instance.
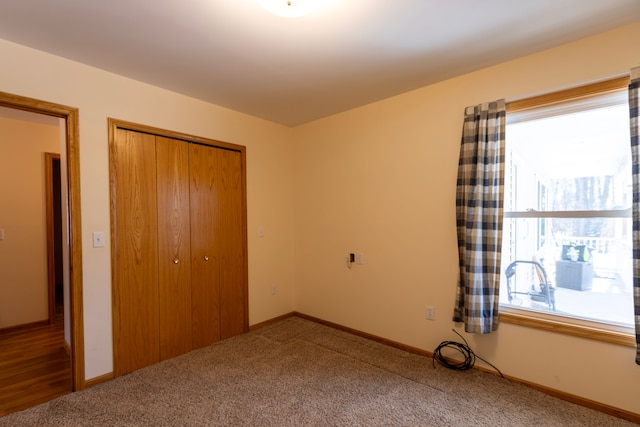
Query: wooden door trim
{"type": "Point", "coordinates": [115, 124]}
{"type": "Point", "coordinates": [121, 124]}
{"type": "Point", "coordinates": [72, 133]}
{"type": "Point", "coordinates": [49, 159]}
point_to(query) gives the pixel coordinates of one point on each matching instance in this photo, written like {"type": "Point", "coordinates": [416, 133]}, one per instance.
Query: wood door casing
{"type": "Point", "coordinates": [174, 246]}
{"type": "Point", "coordinates": [135, 255]}
{"type": "Point", "coordinates": [72, 199]}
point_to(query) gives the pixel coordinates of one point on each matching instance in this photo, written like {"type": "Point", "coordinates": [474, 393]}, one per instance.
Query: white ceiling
{"type": "Point", "coordinates": [348, 53]}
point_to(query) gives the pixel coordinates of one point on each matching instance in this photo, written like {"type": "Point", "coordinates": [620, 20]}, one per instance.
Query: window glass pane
{"type": "Point", "coordinates": [566, 240]}
{"type": "Point", "coordinates": [591, 275]}
{"type": "Point", "coordinates": [577, 161]}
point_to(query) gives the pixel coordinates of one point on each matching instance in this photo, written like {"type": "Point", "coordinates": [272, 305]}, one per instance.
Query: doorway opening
{"type": "Point", "coordinates": [55, 264]}
{"type": "Point", "coordinates": [70, 196]}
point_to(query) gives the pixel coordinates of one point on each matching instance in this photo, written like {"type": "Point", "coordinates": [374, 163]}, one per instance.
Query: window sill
{"type": "Point", "coordinates": [590, 332]}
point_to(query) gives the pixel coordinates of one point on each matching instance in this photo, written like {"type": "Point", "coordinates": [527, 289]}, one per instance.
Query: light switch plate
{"type": "Point", "coordinates": [98, 239]}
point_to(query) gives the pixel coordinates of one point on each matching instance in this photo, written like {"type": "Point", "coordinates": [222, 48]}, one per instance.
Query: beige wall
{"type": "Point", "coordinates": [99, 95]}
{"type": "Point", "coordinates": [381, 179]}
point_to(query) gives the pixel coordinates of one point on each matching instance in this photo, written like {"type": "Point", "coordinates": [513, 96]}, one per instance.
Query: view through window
{"type": "Point", "coordinates": [567, 228]}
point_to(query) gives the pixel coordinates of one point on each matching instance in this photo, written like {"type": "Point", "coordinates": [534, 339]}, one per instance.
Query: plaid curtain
{"type": "Point", "coordinates": [634, 114]}
{"type": "Point", "coordinates": [479, 207]}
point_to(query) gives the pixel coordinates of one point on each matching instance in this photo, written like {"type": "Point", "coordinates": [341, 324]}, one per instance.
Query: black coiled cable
{"type": "Point", "coordinates": [469, 357]}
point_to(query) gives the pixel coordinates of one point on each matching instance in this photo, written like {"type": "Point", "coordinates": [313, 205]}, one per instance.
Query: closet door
{"type": "Point", "coordinates": [174, 241]}
{"type": "Point", "coordinates": [135, 254]}
{"type": "Point", "coordinates": [178, 244]}
{"type": "Point", "coordinates": [231, 237]}
{"type": "Point", "coordinates": [205, 257]}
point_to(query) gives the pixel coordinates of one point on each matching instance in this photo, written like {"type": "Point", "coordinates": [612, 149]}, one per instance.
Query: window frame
{"type": "Point", "coordinates": [601, 331]}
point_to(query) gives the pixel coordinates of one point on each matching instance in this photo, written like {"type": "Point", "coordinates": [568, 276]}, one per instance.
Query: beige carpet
{"type": "Point", "coordinates": [299, 373]}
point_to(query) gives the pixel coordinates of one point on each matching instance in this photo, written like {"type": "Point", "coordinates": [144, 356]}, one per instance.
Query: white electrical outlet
{"type": "Point", "coordinates": [274, 289]}
{"type": "Point", "coordinates": [359, 259]}
{"type": "Point", "coordinates": [430, 313]}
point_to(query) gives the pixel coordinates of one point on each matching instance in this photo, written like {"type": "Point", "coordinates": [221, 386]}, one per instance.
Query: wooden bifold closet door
{"type": "Point", "coordinates": [174, 246]}
{"type": "Point", "coordinates": [178, 246]}
{"type": "Point", "coordinates": [218, 254]}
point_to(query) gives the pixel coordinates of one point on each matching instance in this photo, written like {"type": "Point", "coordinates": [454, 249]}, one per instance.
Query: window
{"type": "Point", "coordinates": [567, 251]}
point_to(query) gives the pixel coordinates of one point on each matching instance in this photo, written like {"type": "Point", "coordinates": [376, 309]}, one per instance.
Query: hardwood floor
{"type": "Point", "coordinates": [34, 367]}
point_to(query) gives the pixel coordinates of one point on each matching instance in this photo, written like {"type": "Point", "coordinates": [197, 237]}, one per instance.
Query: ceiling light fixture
{"type": "Point", "coordinates": [289, 8]}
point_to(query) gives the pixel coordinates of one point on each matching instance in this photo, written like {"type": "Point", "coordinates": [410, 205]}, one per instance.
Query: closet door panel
{"type": "Point", "coordinates": [231, 237]}
{"type": "Point", "coordinates": [205, 260]}
{"type": "Point", "coordinates": [135, 255]}
{"type": "Point", "coordinates": [174, 241]}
